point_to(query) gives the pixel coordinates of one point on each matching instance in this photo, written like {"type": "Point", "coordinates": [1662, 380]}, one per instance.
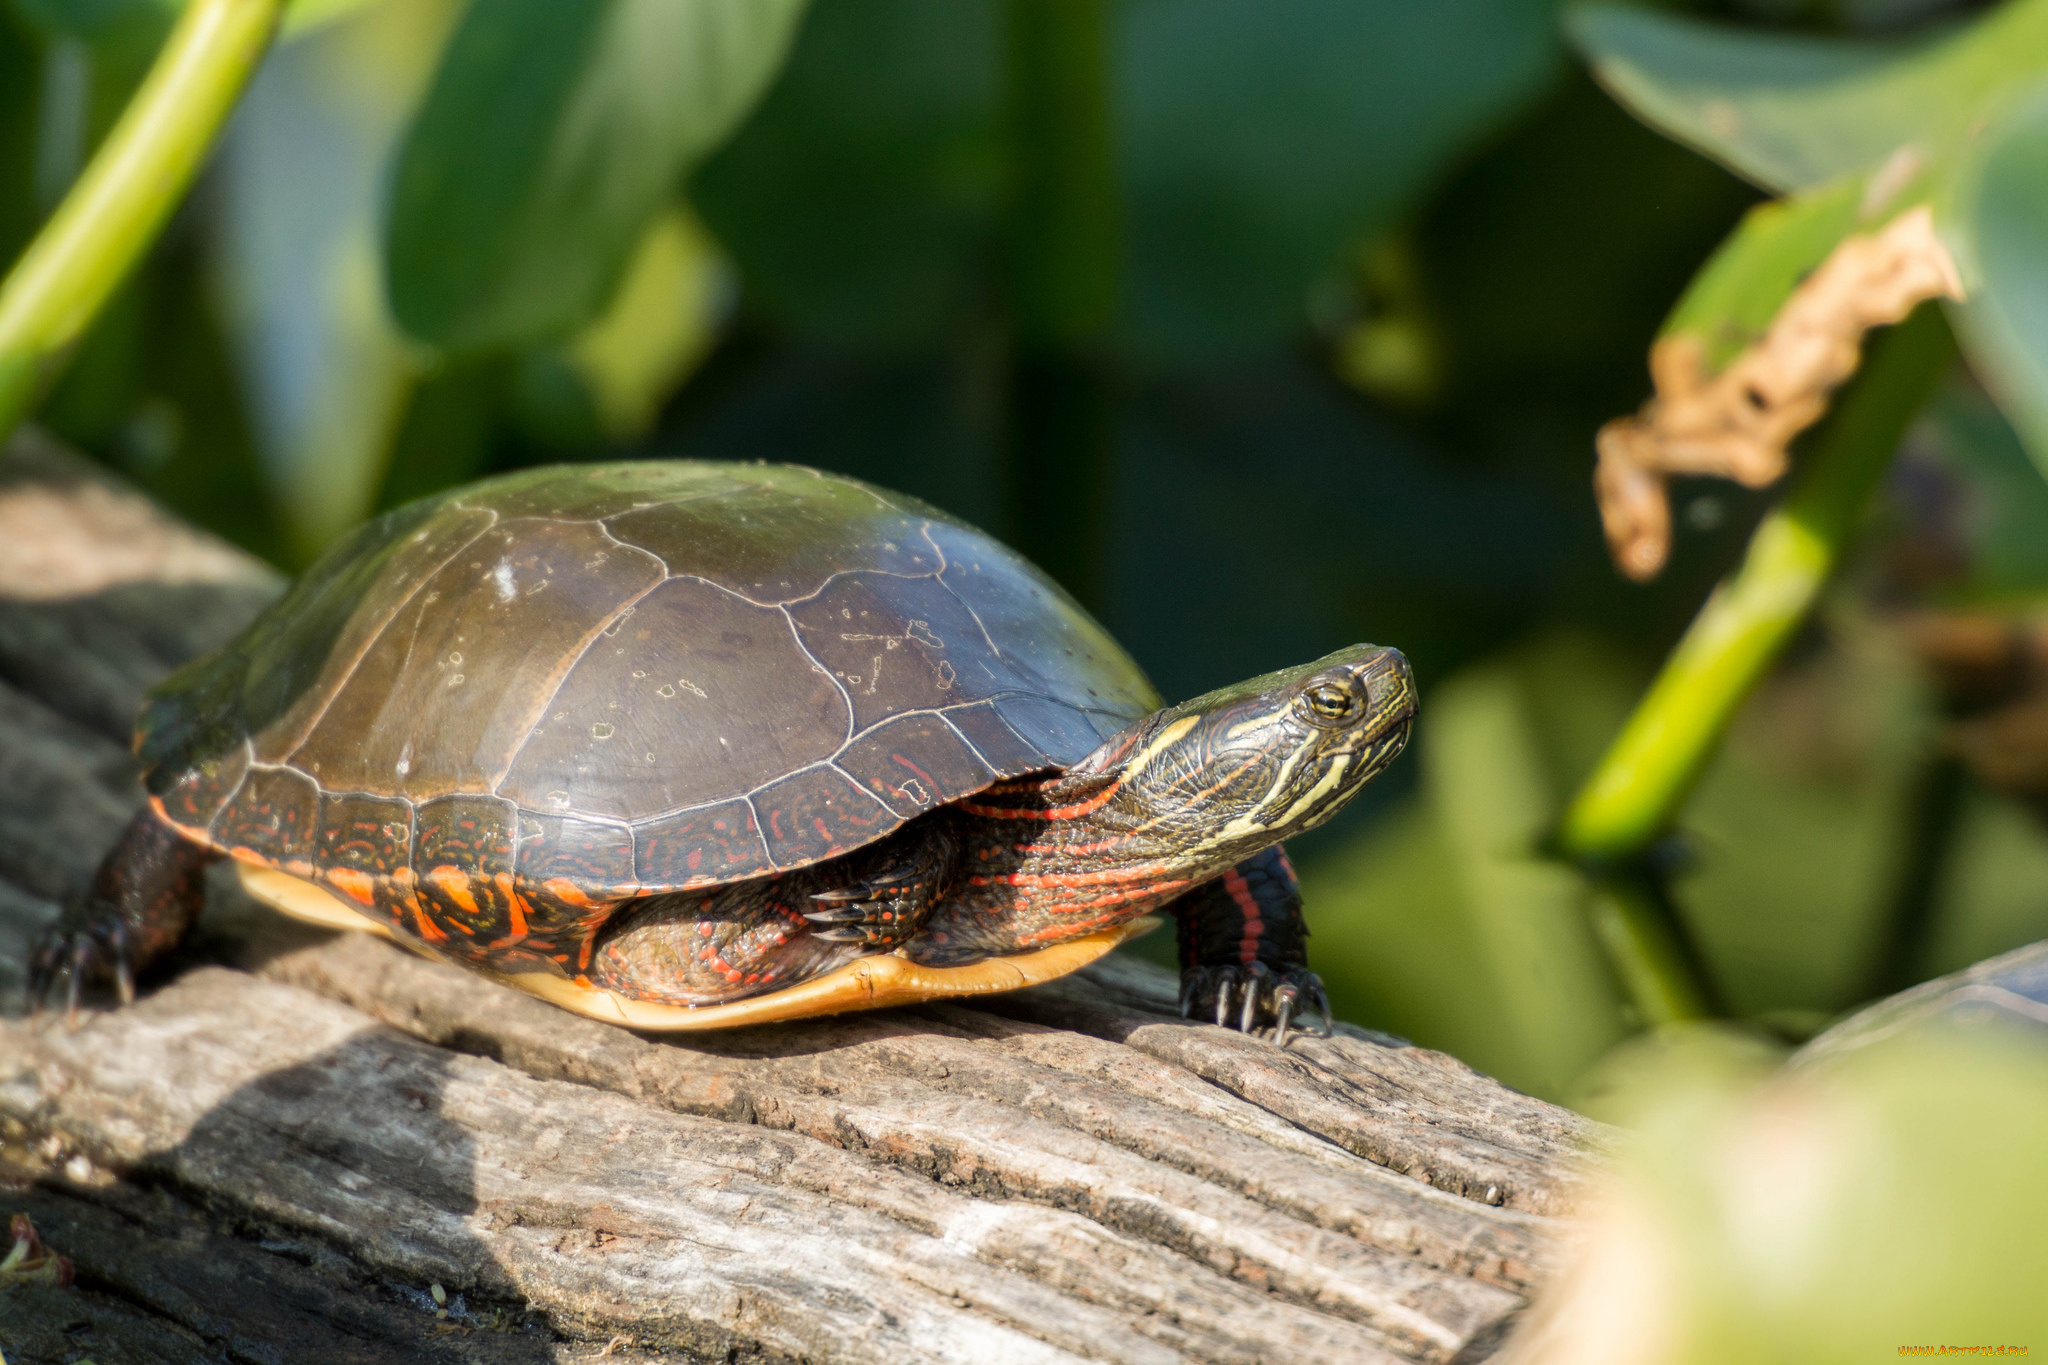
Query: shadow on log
{"type": "Point", "coordinates": [296, 1141]}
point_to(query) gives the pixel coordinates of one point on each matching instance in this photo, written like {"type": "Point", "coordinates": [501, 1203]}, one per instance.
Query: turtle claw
{"type": "Point", "coordinates": [1243, 997]}
{"type": "Point", "coordinates": [79, 948]}
{"type": "Point", "coordinates": [1256, 988]}
{"type": "Point", "coordinates": [880, 909]}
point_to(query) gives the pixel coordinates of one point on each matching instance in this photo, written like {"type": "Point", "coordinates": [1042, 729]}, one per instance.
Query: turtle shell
{"type": "Point", "coordinates": [630, 678]}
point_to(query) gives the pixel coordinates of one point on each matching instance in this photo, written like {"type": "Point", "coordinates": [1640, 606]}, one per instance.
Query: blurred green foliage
{"type": "Point", "coordinates": [1875, 1199]}
{"type": "Point", "coordinates": [1265, 329]}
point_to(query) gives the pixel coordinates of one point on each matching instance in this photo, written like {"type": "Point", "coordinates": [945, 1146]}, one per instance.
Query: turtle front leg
{"type": "Point", "coordinates": [143, 900]}
{"type": "Point", "coordinates": [1244, 949]}
{"type": "Point", "coordinates": [753, 937]}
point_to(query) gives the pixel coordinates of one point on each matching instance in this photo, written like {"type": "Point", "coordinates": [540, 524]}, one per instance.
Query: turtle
{"type": "Point", "coordinates": [685, 744]}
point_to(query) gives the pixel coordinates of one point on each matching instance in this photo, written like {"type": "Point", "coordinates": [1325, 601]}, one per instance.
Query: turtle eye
{"type": "Point", "coordinates": [1330, 704]}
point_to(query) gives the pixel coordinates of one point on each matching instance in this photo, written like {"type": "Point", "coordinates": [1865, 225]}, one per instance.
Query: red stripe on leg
{"type": "Point", "coordinates": [1248, 905]}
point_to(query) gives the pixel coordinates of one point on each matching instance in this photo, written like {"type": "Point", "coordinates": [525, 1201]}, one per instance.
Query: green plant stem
{"type": "Point", "coordinates": [119, 204]}
{"type": "Point", "coordinates": [1636, 792]}
{"type": "Point", "coordinates": [1648, 949]}
{"type": "Point", "coordinates": [1927, 852]}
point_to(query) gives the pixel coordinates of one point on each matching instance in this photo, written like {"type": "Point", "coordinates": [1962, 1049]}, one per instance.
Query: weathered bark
{"type": "Point", "coordinates": [278, 1151]}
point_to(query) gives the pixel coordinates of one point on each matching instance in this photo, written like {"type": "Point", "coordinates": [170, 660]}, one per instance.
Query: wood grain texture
{"type": "Point", "coordinates": [276, 1152]}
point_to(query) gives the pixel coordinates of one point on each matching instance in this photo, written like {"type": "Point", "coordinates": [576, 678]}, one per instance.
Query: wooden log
{"type": "Point", "coordinates": [295, 1136]}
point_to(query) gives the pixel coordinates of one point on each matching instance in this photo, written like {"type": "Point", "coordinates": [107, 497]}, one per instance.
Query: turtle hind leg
{"type": "Point", "coordinates": [754, 937]}
{"type": "Point", "coordinates": [1244, 950]}
{"type": "Point", "coordinates": [712, 948]}
{"type": "Point", "coordinates": [142, 901]}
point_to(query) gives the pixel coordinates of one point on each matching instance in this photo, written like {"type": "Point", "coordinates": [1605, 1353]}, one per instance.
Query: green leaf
{"type": "Point", "coordinates": [1259, 141]}
{"type": "Point", "coordinates": [1255, 144]}
{"type": "Point", "coordinates": [98, 20]}
{"type": "Point", "coordinates": [661, 323]}
{"type": "Point", "coordinates": [1490, 784]}
{"type": "Point", "coordinates": [863, 199]}
{"type": "Point", "coordinates": [325, 373]}
{"type": "Point", "coordinates": [553, 132]}
{"type": "Point", "coordinates": [2004, 210]}
{"type": "Point", "coordinates": [1731, 301]}
{"type": "Point", "coordinates": [93, 20]}
{"type": "Point", "coordinates": [1790, 112]}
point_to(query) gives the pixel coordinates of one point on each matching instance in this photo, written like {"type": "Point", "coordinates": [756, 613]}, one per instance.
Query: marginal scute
{"type": "Point", "coordinates": [998, 744]}
{"type": "Point", "coordinates": [370, 834]}
{"type": "Point", "coordinates": [194, 799]}
{"type": "Point", "coordinates": [1063, 734]}
{"type": "Point", "coordinates": [473, 833]}
{"type": "Point", "coordinates": [909, 763]}
{"type": "Point", "coordinates": [274, 815]}
{"type": "Point", "coordinates": [700, 847]}
{"type": "Point", "coordinates": [595, 855]}
{"type": "Point", "coordinates": [817, 814]}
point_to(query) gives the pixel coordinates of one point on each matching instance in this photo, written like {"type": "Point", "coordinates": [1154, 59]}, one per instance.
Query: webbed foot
{"type": "Point", "coordinates": [1250, 996]}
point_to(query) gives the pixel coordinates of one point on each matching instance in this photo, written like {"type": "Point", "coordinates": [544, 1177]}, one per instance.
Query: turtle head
{"type": "Point", "coordinates": [1215, 779]}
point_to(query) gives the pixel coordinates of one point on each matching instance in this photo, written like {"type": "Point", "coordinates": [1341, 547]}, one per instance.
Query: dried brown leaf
{"type": "Point", "coordinates": [1737, 424]}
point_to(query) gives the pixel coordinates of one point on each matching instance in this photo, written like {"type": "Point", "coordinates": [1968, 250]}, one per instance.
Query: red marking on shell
{"type": "Point", "coordinates": [430, 931]}
{"type": "Point", "coordinates": [192, 832]}
{"type": "Point", "coordinates": [515, 907]}
{"type": "Point", "coordinates": [454, 884]}
{"type": "Point", "coordinates": [566, 891]}
{"type": "Point", "coordinates": [929, 782]}
{"type": "Point", "coordinates": [360, 887]}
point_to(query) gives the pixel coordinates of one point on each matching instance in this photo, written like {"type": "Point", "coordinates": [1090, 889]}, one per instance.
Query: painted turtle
{"type": "Point", "coordinates": [681, 745]}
